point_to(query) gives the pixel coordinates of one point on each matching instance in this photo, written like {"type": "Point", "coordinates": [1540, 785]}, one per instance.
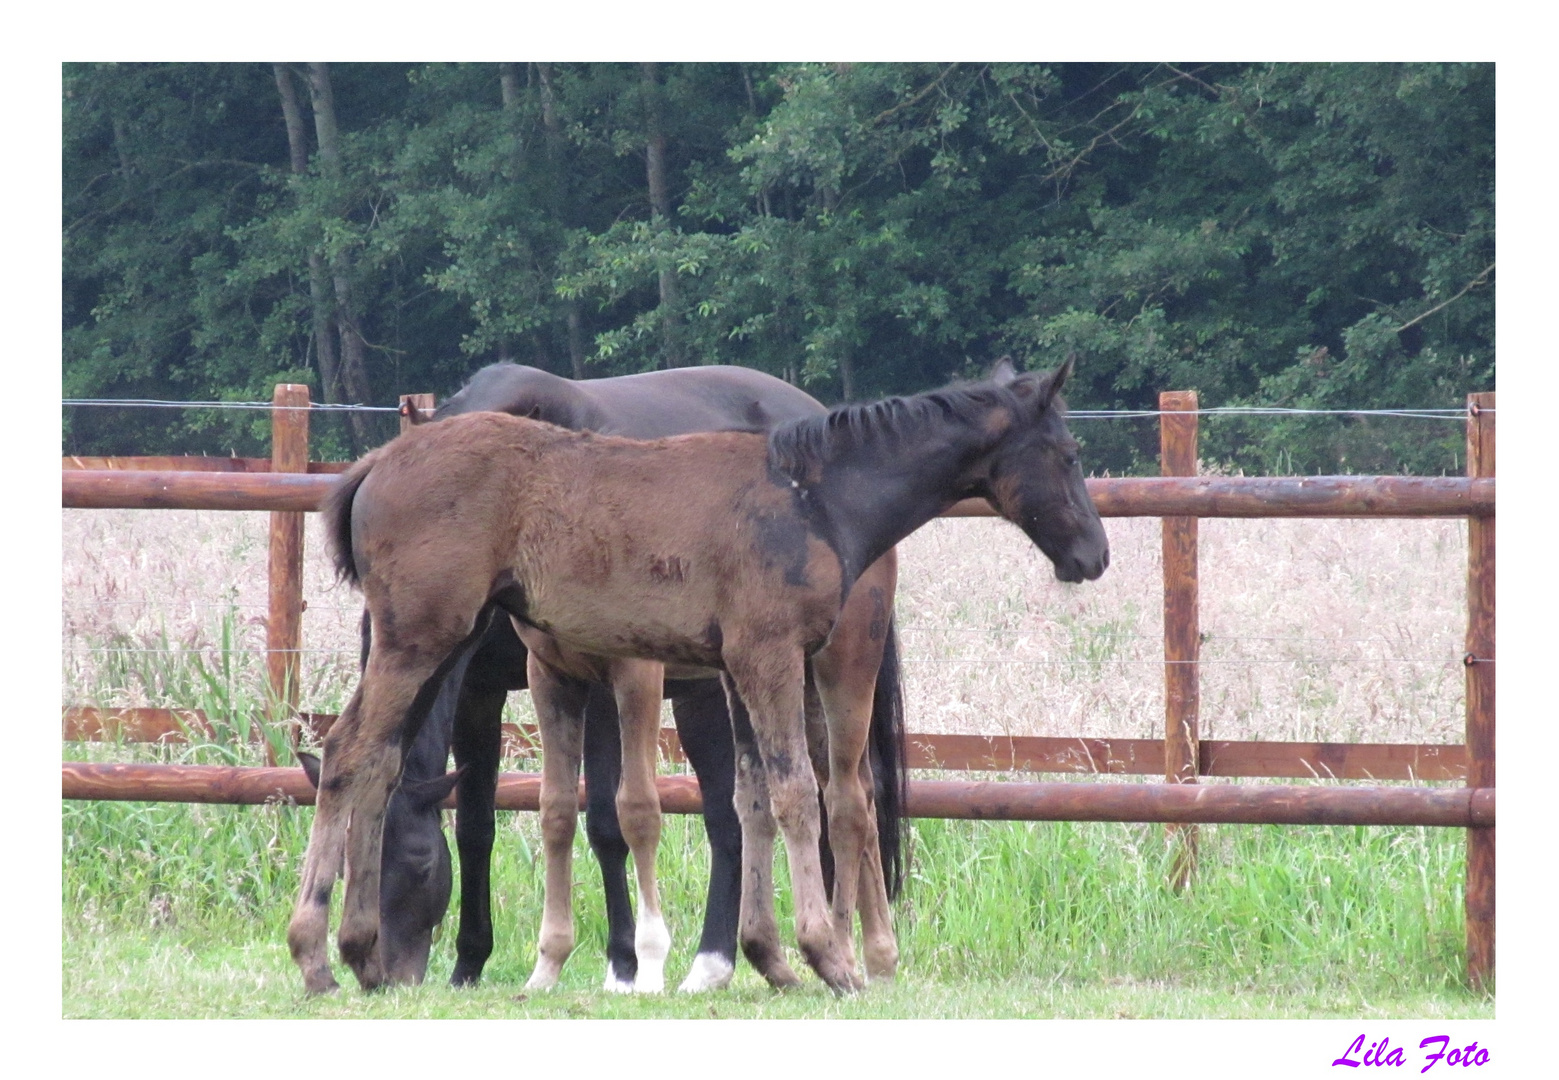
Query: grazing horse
{"type": "Point", "coordinates": [465, 716]}
{"type": "Point", "coordinates": [747, 571]}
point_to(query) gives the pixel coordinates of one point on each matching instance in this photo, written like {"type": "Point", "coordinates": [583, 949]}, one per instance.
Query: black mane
{"type": "Point", "coordinates": [813, 440]}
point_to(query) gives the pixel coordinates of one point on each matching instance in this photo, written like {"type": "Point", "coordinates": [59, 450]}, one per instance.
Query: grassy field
{"type": "Point", "coordinates": [180, 911]}
{"type": "Point", "coordinates": [1316, 630]}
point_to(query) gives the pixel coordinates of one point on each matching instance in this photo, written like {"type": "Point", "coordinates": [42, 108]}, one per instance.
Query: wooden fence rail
{"type": "Point", "coordinates": [1000, 801]}
{"type": "Point", "coordinates": [288, 485]}
{"type": "Point", "coordinates": [953, 753]}
{"type": "Point", "coordinates": [1127, 496]}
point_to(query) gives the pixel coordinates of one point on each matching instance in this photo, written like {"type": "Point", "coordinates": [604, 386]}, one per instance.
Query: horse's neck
{"type": "Point", "coordinates": [871, 497]}
{"type": "Point", "coordinates": [428, 755]}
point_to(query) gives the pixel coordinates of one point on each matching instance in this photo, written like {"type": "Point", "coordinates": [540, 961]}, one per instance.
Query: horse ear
{"type": "Point", "coordinates": [1003, 372]}
{"type": "Point", "coordinates": [1063, 372]}
{"type": "Point", "coordinates": [1043, 388]}
{"type": "Point", "coordinates": [310, 765]}
{"type": "Point", "coordinates": [426, 793]}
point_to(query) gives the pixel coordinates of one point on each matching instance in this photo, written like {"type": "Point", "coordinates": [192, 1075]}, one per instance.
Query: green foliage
{"type": "Point", "coordinates": [1305, 235]}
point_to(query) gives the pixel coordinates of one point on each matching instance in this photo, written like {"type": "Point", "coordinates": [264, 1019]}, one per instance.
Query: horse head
{"type": "Point", "coordinates": [1032, 477]}
{"type": "Point", "coordinates": [415, 876]}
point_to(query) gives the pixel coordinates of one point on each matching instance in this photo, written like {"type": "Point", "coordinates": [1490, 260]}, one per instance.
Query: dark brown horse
{"type": "Point", "coordinates": [747, 571]}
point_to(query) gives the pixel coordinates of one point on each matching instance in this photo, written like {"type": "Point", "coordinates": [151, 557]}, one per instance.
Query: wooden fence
{"type": "Point", "coordinates": [289, 485]}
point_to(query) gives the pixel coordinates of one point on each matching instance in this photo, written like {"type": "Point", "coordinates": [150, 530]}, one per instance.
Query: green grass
{"type": "Point", "coordinates": [175, 910]}
{"type": "Point", "coordinates": [129, 976]}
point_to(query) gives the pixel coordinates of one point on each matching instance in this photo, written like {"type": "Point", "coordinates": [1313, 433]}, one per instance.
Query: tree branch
{"type": "Point", "coordinates": [1481, 279]}
{"type": "Point", "coordinates": [160, 182]}
{"type": "Point", "coordinates": [908, 102]}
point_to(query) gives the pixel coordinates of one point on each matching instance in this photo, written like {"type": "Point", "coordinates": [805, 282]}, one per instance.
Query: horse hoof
{"type": "Point", "coordinates": [651, 946]}
{"type": "Point", "coordinates": [838, 977]}
{"type": "Point", "coordinates": [881, 973]}
{"type": "Point", "coordinates": [782, 977]}
{"type": "Point", "coordinates": [651, 975]}
{"type": "Point", "coordinates": [882, 968]}
{"type": "Point", "coordinates": [369, 972]}
{"type": "Point", "coordinates": [316, 983]}
{"type": "Point", "coordinates": [767, 958]}
{"type": "Point", "coordinates": [360, 952]}
{"type": "Point", "coordinates": [616, 983]}
{"type": "Point", "coordinates": [545, 977]}
{"type": "Point", "coordinates": [711, 971]}
{"type": "Point", "coordinates": [843, 982]}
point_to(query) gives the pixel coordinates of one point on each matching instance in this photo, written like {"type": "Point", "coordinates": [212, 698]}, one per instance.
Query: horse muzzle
{"type": "Point", "coordinates": [1077, 567]}
{"type": "Point", "coordinates": [1076, 558]}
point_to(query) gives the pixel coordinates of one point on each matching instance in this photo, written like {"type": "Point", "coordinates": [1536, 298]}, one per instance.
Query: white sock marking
{"type": "Point", "coordinates": [710, 971]}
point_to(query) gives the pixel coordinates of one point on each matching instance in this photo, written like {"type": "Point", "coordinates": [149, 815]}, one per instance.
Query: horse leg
{"type": "Point", "coordinates": [309, 930]}
{"type": "Point", "coordinates": [758, 932]}
{"type": "Point", "coordinates": [603, 772]}
{"type": "Point", "coordinates": [704, 728]}
{"type": "Point", "coordinates": [361, 767]}
{"type": "Point", "coordinates": [637, 685]}
{"type": "Point", "coordinates": [770, 679]}
{"type": "Point", "coordinates": [848, 809]}
{"type": "Point", "coordinates": [560, 707]}
{"type": "Point", "coordinates": [817, 750]}
{"type": "Point", "coordinates": [478, 742]}
{"type": "Point", "coordinates": [846, 674]}
{"type": "Point", "coordinates": [881, 944]}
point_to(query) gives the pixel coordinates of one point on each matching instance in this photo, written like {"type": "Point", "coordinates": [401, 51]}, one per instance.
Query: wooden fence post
{"type": "Point", "coordinates": [284, 626]}
{"type": "Point", "coordinates": [1479, 661]}
{"type": "Point", "coordinates": [1182, 629]}
{"type": "Point", "coordinates": [413, 406]}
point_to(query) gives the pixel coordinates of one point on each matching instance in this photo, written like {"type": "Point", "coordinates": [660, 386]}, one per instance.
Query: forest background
{"type": "Point", "coordinates": [1297, 235]}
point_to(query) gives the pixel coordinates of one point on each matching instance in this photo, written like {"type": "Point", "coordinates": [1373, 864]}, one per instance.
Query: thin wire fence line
{"type": "Point", "coordinates": [214, 649]}
{"type": "Point", "coordinates": [1292, 660]}
{"type": "Point", "coordinates": [148, 403]}
{"type": "Point", "coordinates": [1211, 639]}
{"type": "Point", "coordinates": [89, 605]}
{"type": "Point", "coordinates": [1240, 410]}
{"type": "Point", "coordinates": [1074, 414]}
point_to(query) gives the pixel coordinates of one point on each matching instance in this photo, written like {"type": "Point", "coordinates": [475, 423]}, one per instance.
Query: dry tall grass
{"type": "Point", "coordinates": [1330, 630]}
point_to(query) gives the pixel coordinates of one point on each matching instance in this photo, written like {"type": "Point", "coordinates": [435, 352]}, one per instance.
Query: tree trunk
{"type": "Point", "coordinates": [319, 295]}
{"type": "Point", "coordinates": [549, 123]}
{"type": "Point", "coordinates": [122, 148]}
{"type": "Point", "coordinates": [509, 94]}
{"type": "Point", "coordinates": [509, 85]}
{"type": "Point", "coordinates": [752, 109]}
{"type": "Point", "coordinates": [354, 365]}
{"type": "Point", "coordinates": [660, 205]}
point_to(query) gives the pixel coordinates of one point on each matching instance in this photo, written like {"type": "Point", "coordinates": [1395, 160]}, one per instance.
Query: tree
{"type": "Point", "coordinates": [1318, 236]}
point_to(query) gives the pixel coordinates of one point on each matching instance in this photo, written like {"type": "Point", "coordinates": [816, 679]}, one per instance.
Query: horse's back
{"type": "Point", "coordinates": [711, 398]}
{"type": "Point", "coordinates": [649, 405]}
{"type": "Point", "coordinates": [515, 389]}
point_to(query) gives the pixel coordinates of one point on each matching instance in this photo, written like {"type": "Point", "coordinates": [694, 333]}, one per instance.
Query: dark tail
{"type": "Point", "coordinates": [338, 518]}
{"type": "Point", "coordinates": [890, 764]}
